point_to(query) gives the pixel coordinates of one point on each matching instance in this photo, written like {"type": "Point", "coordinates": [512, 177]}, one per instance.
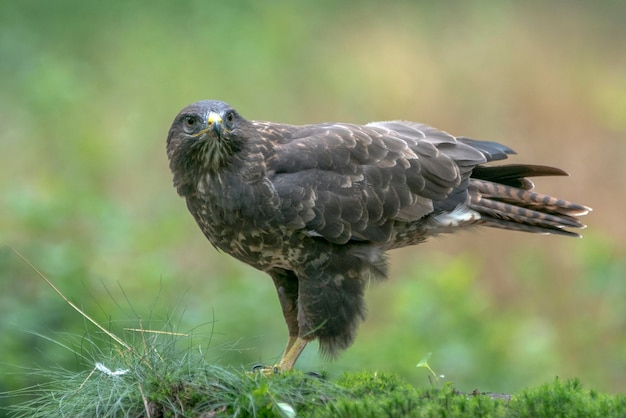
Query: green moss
{"type": "Point", "coordinates": [195, 388]}
{"type": "Point", "coordinates": [152, 373]}
{"type": "Point", "coordinates": [385, 395]}
{"type": "Point", "coordinates": [566, 399]}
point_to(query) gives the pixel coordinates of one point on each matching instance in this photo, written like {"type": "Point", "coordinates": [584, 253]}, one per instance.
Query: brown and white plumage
{"type": "Point", "coordinates": [317, 206]}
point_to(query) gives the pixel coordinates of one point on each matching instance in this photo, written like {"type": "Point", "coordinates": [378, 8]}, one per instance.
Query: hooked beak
{"type": "Point", "coordinates": [214, 122]}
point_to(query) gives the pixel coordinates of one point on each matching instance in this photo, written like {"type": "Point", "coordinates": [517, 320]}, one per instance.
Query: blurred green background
{"type": "Point", "coordinates": [88, 91]}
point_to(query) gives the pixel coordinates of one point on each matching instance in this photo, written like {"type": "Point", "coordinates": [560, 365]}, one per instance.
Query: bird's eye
{"type": "Point", "coordinates": [190, 121]}
{"type": "Point", "coordinates": [230, 117]}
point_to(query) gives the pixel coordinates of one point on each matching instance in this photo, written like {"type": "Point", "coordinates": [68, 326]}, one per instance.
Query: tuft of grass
{"type": "Point", "coordinates": [158, 373]}
{"type": "Point", "coordinates": [158, 379]}
{"type": "Point", "coordinates": [165, 373]}
{"type": "Point", "coordinates": [163, 382]}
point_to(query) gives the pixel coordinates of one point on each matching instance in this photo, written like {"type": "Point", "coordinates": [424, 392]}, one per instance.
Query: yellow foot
{"type": "Point", "coordinates": [267, 371]}
{"type": "Point", "coordinates": [270, 371]}
{"type": "Point", "coordinates": [292, 352]}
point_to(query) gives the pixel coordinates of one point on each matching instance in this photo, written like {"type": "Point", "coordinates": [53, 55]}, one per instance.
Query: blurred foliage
{"type": "Point", "coordinates": [89, 90]}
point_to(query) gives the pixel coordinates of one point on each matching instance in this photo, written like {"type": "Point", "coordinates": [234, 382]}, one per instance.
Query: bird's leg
{"type": "Point", "coordinates": [294, 348]}
{"type": "Point", "coordinates": [292, 339]}
{"type": "Point", "coordinates": [286, 284]}
{"type": "Point", "coordinates": [293, 351]}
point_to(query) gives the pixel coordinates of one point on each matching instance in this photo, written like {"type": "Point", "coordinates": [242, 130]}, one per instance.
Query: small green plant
{"type": "Point", "coordinates": [424, 363]}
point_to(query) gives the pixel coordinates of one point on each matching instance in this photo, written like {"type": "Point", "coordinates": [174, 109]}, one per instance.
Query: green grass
{"type": "Point", "coordinates": [130, 370]}
{"type": "Point", "coordinates": [154, 377]}
{"type": "Point", "coordinates": [158, 384]}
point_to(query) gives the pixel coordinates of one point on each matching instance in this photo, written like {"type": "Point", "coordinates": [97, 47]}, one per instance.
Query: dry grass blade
{"type": "Point", "coordinates": [69, 302]}
{"type": "Point", "coordinates": [152, 331]}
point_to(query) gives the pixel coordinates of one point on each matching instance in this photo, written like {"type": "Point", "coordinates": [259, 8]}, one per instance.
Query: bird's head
{"type": "Point", "coordinates": [202, 140]}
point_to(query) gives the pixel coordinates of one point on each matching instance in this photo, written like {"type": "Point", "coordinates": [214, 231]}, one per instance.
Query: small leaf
{"type": "Point", "coordinates": [424, 361]}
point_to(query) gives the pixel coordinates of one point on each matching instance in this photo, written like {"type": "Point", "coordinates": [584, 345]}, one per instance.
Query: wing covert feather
{"type": "Point", "coordinates": [351, 182]}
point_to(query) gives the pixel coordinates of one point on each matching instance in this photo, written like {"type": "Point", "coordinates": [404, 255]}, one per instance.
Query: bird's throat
{"type": "Point", "coordinates": [215, 154]}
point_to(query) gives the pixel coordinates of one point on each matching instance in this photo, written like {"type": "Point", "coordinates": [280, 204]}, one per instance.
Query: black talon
{"type": "Point", "coordinates": [257, 367]}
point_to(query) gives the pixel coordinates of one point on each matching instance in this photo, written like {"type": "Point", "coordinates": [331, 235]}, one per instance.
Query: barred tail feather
{"type": "Point", "coordinates": [501, 205]}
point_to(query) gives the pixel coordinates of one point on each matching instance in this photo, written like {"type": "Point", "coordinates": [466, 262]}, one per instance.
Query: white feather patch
{"type": "Point", "coordinates": [459, 216]}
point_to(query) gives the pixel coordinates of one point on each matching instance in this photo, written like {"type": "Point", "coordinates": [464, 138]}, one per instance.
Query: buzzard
{"type": "Point", "coordinates": [318, 206]}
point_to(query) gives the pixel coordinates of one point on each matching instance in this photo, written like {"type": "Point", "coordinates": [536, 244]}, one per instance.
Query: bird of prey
{"type": "Point", "coordinates": [318, 206]}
